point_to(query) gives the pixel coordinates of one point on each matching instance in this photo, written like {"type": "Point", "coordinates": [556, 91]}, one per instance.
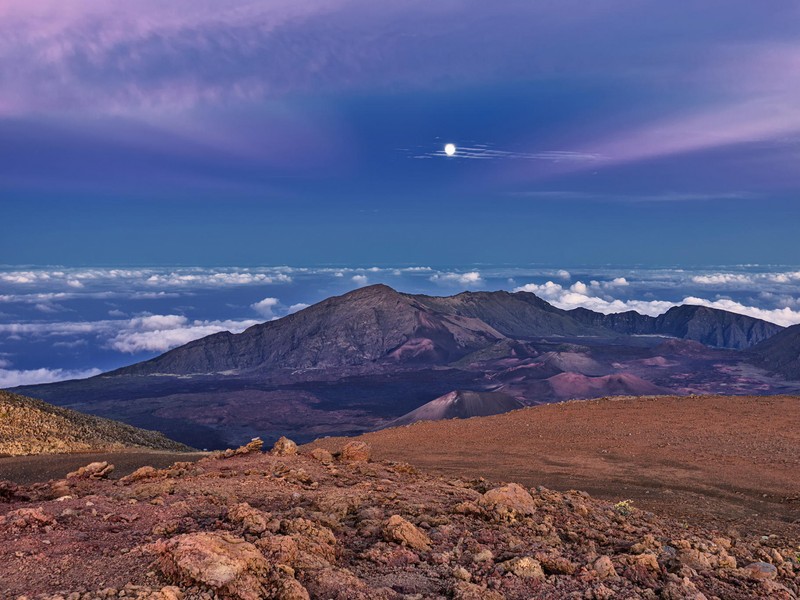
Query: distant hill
{"type": "Point", "coordinates": [781, 353]}
{"type": "Point", "coordinates": [29, 426]}
{"type": "Point", "coordinates": [709, 326]}
{"type": "Point", "coordinates": [460, 405]}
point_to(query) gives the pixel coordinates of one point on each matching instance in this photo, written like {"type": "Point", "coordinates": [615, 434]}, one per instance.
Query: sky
{"type": "Point", "coordinates": [159, 162]}
{"type": "Point", "coordinates": [307, 133]}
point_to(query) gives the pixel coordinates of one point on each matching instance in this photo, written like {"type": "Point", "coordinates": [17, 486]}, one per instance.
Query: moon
{"type": "Point", "coordinates": [450, 149]}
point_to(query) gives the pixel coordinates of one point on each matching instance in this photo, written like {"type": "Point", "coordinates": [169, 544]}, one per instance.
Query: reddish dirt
{"type": "Point", "coordinates": [732, 462]}
{"type": "Point", "coordinates": [249, 525]}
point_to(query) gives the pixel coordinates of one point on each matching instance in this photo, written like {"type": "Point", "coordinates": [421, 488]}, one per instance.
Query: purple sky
{"type": "Point", "coordinates": [296, 114]}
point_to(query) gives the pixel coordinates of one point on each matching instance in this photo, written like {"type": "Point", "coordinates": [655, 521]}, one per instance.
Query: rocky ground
{"type": "Point", "coordinates": [248, 525]}
{"type": "Point", "coordinates": [29, 426]}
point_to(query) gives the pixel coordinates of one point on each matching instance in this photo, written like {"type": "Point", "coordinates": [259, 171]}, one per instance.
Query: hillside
{"type": "Point", "coordinates": [781, 353]}
{"type": "Point", "coordinates": [733, 460]}
{"type": "Point", "coordinates": [29, 426]}
{"type": "Point", "coordinates": [246, 525]}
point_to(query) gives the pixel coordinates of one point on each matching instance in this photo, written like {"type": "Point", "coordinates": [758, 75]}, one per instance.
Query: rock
{"type": "Point", "coordinates": [224, 563]}
{"type": "Point", "coordinates": [95, 470]}
{"type": "Point", "coordinates": [284, 447]}
{"type": "Point", "coordinates": [356, 452]}
{"type": "Point", "coordinates": [758, 571]}
{"type": "Point", "coordinates": [648, 560]}
{"type": "Point", "coordinates": [461, 573]}
{"type": "Point", "coordinates": [681, 589]}
{"type": "Point", "coordinates": [508, 502]}
{"type": "Point", "coordinates": [463, 590]}
{"type": "Point", "coordinates": [322, 456]}
{"type": "Point", "coordinates": [524, 566]}
{"type": "Point", "coordinates": [483, 556]}
{"type": "Point", "coordinates": [604, 567]}
{"type": "Point", "coordinates": [253, 446]}
{"type": "Point", "coordinates": [10, 492]}
{"type": "Point", "coordinates": [289, 588]}
{"type": "Point", "coordinates": [27, 518]}
{"type": "Point", "coordinates": [139, 474]}
{"type": "Point", "coordinates": [252, 520]}
{"type": "Point", "coordinates": [398, 530]}
{"type": "Point", "coordinates": [558, 565]}
{"type": "Point", "coordinates": [169, 592]}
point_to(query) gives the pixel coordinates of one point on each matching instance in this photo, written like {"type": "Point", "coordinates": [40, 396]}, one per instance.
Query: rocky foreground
{"type": "Point", "coordinates": [246, 525]}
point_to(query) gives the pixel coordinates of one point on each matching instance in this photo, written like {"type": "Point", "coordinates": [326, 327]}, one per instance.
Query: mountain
{"type": "Point", "coordinates": [709, 326]}
{"type": "Point", "coordinates": [781, 353]}
{"type": "Point", "coordinates": [370, 325]}
{"type": "Point", "coordinates": [29, 426]}
{"type": "Point", "coordinates": [460, 404]}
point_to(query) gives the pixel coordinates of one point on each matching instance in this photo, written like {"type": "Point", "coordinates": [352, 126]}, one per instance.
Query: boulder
{"type": "Point", "coordinates": [356, 452]}
{"type": "Point", "coordinates": [400, 531]}
{"type": "Point", "coordinates": [226, 564]}
{"type": "Point", "coordinates": [284, 447]}
{"type": "Point", "coordinates": [252, 520]}
{"type": "Point", "coordinates": [322, 456]}
{"type": "Point", "coordinates": [95, 470]}
{"type": "Point", "coordinates": [524, 566]}
{"type": "Point", "coordinates": [508, 502]}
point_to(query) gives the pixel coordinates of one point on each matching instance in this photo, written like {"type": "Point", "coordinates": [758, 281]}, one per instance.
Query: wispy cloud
{"type": "Point", "coordinates": [486, 152]}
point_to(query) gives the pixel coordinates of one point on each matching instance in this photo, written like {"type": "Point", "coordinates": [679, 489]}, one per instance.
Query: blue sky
{"type": "Point", "coordinates": [303, 133]}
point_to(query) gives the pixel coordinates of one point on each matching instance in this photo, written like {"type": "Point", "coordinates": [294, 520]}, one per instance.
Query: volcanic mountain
{"type": "Point", "coordinates": [29, 426]}
{"type": "Point", "coordinates": [460, 405]}
{"type": "Point", "coordinates": [357, 362]}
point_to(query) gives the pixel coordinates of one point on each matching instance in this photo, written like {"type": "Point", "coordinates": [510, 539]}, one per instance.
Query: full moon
{"type": "Point", "coordinates": [450, 149]}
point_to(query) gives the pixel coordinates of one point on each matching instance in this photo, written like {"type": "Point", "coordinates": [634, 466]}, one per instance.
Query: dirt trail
{"type": "Point", "coordinates": [24, 470]}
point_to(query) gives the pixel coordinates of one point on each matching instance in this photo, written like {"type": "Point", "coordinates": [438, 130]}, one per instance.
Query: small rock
{"type": "Point", "coordinates": [461, 573]}
{"type": "Point", "coordinates": [251, 519]}
{"type": "Point", "coordinates": [284, 447]}
{"type": "Point", "coordinates": [483, 556]}
{"type": "Point", "coordinates": [398, 530]}
{"type": "Point", "coordinates": [524, 566]}
{"type": "Point", "coordinates": [356, 452]}
{"type": "Point", "coordinates": [463, 590]}
{"type": "Point", "coordinates": [604, 567]}
{"type": "Point", "coordinates": [758, 571]}
{"type": "Point", "coordinates": [322, 456]}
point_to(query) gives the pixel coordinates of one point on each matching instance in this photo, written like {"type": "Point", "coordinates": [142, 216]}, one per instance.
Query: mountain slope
{"type": "Point", "coordinates": [29, 426]}
{"type": "Point", "coordinates": [460, 405]}
{"type": "Point", "coordinates": [709, 326]}
{"type": "Point", "coordinates": [781, 353]}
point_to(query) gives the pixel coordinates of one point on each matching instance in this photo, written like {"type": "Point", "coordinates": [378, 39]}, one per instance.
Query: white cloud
{"type": "Point", "coordinates": [266, 307]}
{"type": "Point", "coordinates": [173, 332]}
{"type": "Point", "coordinates": [297, 307]}
{"type": "Point", "coordinates": [360, 280]}
{"type": "Point", "coordinates": [12, 378]}
{"type": "Point", "coordinates": [579, 295]}
{"type": "Point", "coordinates": [563, 274]}
{"type": "Point", "coordinates": [469, 278]}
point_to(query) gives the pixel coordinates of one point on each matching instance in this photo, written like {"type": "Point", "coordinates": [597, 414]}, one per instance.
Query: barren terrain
{"type": "Point", "coordinates": [732, 461]}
